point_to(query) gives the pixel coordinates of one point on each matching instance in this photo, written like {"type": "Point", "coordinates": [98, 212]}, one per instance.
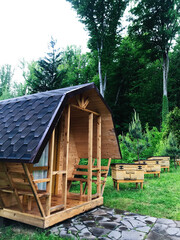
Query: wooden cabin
{"type": "Point", "coordinates": [50, 144]}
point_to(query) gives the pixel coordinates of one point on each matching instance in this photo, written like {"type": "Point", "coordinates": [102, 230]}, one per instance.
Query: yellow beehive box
{"type": "Point", "coordinates": [127, 171]}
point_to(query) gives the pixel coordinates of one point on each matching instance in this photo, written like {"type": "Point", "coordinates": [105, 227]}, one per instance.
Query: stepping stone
{"type": "Point", "coordinates": [100, 212]}
{"type": "Point", "coordinates": [156, 236]}
{"type": "Point", "coordinates": [127, 224]}
{"type": "Point", "coordinates": [172, 231]}
{"type": "Point", "coordinates": [130, 235]}
{"type": "Point", "coordinates": [160, 228]}
{"type": "Point", "coordinates": [150, 220]}
{"type": "Point", "coordinates": [143, 229]}
{"type": "Point", "coordinates": [136, 223]}
{"type": "Point", "coordinates": [114, 235]}
{"type": "Point", "coordinates": [177, 223]}
{"type": "Point", "coordinates": [73, 230]}
{"type": "Point", "coordinates": [90, 223]}
{"type": "Point", "coordinates": [102, 219]}
{"type": "Point", "coordinates": [99, 231]}
{"type": "Point", "coordinates": [165, 221]}
{"type": "Point", "coordinates": [109, 225]}
{"type": "Point", "coordinates": [79, 226]}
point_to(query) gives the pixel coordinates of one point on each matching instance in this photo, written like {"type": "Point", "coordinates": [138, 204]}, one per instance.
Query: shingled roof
{"type": "Point", "coordinates": [27, 122]}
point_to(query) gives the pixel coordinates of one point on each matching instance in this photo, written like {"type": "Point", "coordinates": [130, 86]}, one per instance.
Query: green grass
{"type": "Point", "coordinates": [159, 198]}
{"type": "Point", "coordinates": [7, 233]}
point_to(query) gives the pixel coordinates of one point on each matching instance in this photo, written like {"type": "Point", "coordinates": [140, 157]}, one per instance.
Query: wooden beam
{"type": "Point", "coordinates": [49, 173]}
{"type": "Point", "coordinates": [90, 152]}
{"type": "Point", "coordinates": [60, 154]}
{"type": "Point", "coordinates": [41, 180]}
{"type": "Point", "coordinates": [105, 177]}
{"type": "Point", "coordinates": [71, 212]}
{"type": "Point", "coordinates": [22, 217]}
{"type": "Point", "coordinates": [99, 156]}
{"type": "Point", "coordinates": [66, 154]}
{"type": "Point", "coordinates": [84, 109]}
{"type": "Point", "coordinates": [26, 170]}
{"type": "Point", "coordinates": [13, 188]}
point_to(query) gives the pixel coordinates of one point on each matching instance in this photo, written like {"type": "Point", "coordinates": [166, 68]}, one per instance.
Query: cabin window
{"type": "Point", "coordinates": [43, 162]}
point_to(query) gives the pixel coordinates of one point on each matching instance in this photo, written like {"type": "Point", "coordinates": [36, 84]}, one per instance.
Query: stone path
{"type": "Point", "coordinates": [105, 223]}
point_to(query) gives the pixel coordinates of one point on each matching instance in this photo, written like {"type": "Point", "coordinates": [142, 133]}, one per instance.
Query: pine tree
{"type": "Point", "coordinates": [46, 73]}
{"type": "Point", "coordinates": [171, 148]}
{"type": "Point", "coordinates": [137, 141]}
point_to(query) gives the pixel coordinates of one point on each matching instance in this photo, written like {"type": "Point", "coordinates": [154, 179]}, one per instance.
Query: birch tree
{"type": "Point", "coordinates": [102, 20]}
{"type": "Point", "coordinates": [155, 24]}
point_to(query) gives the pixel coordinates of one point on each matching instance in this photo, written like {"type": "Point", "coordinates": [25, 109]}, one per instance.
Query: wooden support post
{"type": "Point", "coordinates": [49, 173]}
{"type": "Point", "coordinates": [13, 188]}
{"type": "Point", "coordinates": [90, 152]}
{"type": "Point", "coordinates": [33, 190]}
{"type": "Point", "coordinates": [58, 157]}
{"type": "Point", "coordinates": [99, 156]}
{"type": "Point", "coordinates": [66, 155]}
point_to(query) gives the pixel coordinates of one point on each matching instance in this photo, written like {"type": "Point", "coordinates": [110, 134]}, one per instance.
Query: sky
{"type": "Point", "coordinates": [26, 27]}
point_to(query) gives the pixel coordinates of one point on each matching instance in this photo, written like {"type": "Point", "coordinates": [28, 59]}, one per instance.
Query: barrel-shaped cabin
{"type": "Point", "coordinates": [51, 146]}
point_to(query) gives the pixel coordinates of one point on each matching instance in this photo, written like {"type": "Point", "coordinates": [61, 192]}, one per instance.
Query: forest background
{"type": "Point", "coordinates": [139, 71]}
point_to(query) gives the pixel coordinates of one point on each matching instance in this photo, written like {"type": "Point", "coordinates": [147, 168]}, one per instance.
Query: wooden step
{"type": "Point", "coordinates": [56, 208]}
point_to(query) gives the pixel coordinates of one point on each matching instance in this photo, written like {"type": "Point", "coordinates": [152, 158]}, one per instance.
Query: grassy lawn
{"type": "Point", "coordinates": [159, 198]}
{"type": "Point", "coordinates": [8, 233]}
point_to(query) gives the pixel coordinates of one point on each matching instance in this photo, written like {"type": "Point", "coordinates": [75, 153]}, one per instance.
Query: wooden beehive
{"type": "Point", "coordinates": [164, 161]}
{"type": "Point", "coordinates": [153, 165]}
{"type": "Point", "coordinates": [128, 171]}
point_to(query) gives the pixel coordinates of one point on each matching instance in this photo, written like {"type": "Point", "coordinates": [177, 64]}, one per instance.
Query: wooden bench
{"type": "Point", "coordinates": [80, 175]}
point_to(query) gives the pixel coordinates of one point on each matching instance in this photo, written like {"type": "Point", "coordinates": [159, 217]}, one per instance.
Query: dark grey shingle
{"type": "Point", "coordinates": [24, 120]}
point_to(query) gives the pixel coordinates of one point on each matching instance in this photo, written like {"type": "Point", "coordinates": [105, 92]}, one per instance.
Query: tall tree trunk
{"type": "Point", "coordinates": [102, 82]}
{"type": "Point", "coordinates": [165, 108]}
{"type": "Point", "coordinates": [100, 75]}
{"type": "Point", "coordinates": [165, 72]}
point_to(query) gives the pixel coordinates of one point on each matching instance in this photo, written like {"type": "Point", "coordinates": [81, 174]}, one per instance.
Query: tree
{"type": "Point", "coordinates": [45, 74]}
{"type": "Point", "coordinates": [155, 25]}
{"type": "Point", "coordinates": [102, 20]}
{"type": "Point", "coordinates": [137, 142]}
{"type": "Point", "coordinates": [6, 74]}
{"type": "Point", "coordinates": [171, 147]}
{"type": "Point", "coordinates": [79, 67]}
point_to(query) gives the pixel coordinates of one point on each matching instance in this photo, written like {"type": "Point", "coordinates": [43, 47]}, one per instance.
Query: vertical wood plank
{"type": "Point", "coordinates": [13, 188]}
{"type": "Point", "coordinates": [58, 156]}
{"type": "Point", "coordinates": [99, 155]}
{"type": "Point", "coordinates": [90, 152]}
{"type": "Point", "coordinates": [66, 154]}
{"type": "Point", "coordinates": [26, 170]}
{"type": "Point", "coordinates": [49, 173]}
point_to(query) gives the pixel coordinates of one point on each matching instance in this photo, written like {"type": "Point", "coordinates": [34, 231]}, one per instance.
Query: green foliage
{"type": "Point", "coordinates": [45, 74]}
{"type": "Point", "coordinates": [155, 24]}
{"type": "Point", "coordinates": [165, 109]}
{"type": "Point", "coordinates": [6, 74]}
{"type": "Point", "coordinates": [102, 20]}
{"type": "Point", "coordinates": [171, 147]}
{"type": "Point", "coordinates": [136, 142]}
{"type": "Point", "coordinates": [173, 124]}
{"type": "Point", "coordinates": [79, 68]}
